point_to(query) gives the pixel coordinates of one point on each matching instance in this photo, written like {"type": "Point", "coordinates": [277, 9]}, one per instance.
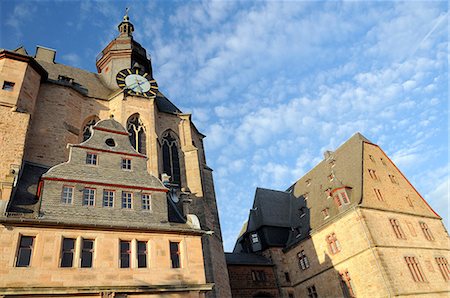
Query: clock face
{"type": "Point", "coordinates": [137, 82]}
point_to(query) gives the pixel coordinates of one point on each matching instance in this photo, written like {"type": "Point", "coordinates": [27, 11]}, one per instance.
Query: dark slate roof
{"type": "Point", "coordinates": [165, 105]}
{"type": "Point", "coordinates": [246, 259]}
{"type": "Point", "coordinates": [24, 198]}
{"type": "Point", "coordinates": [85, 82]}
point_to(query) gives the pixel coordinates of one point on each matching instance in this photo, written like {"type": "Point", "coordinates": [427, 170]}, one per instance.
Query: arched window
{"type": "Point", "coordinates": [171, 160]}
{"type": "Point", "coordinates": [137, 133]}
{"type": "Point", "coordinates": [87, 127]}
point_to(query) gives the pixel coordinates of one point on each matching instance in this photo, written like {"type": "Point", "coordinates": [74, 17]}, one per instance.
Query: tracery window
{"type": "Point", "coordinates": [136, 129]}
{"type": "Point", "coordinates": [87, 128]}
{"type": "Point", "coordinates": [171, 160]}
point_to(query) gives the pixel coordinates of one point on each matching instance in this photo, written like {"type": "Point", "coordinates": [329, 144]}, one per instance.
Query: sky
{"type": "Point", "coordinates": [274, 84]}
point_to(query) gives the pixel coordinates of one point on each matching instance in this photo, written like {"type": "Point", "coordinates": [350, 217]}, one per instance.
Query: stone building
{"type": "Point", "coordinates": [102, 171]}
{"type": "Point", "coordinates": [353, 226]}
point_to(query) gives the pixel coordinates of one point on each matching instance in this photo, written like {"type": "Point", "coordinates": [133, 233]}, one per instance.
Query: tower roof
{"type": "Point", "coordinates": [126, 28]}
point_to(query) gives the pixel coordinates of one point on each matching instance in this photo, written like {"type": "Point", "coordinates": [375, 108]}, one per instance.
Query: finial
{"type": "Point", "coordinates": [125, 17]}
{"type": "Point", "coordinates": [125, 27]}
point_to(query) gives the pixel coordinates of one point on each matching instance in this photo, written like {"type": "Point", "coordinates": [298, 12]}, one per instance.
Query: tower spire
{"type": "Point", "coordinates": [126, 28]}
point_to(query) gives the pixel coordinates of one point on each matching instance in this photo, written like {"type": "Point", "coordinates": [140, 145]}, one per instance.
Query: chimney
{"type": "Point", "coordinates": [45, 54]}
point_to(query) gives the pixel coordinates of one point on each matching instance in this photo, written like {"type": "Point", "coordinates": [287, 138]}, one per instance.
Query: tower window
{"type": "Point", "coordinates": [136, 130]}
{"type": "Point", "coordinates": [171, 161]}
{"type": "Point", "coordinates": [303, 261]}
{"type": "Point", "coordinates": [25, 251]}
{"type": "Point", "coordinates": [8, 86]}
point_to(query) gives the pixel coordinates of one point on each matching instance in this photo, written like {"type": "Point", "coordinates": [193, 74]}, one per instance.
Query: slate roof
{"type": "Point", "coordinates": [246, 259]}
{"type": "Point", "coordinates": [24, 198]}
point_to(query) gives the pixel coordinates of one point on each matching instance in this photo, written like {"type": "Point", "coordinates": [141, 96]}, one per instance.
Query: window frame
{"type": "Point", "coordinates": [312, 291]}
{"type": "Point", "coordinates": [125, 253]}
{"type": "Point", "coordinates": [21, 248]}
{"type": "Point", "coordinates": [64, 199]}
{"type": "Point", "coordinates": [86, 201]}
{"type": "Point", "coordinates": [92, 158]}
{"type": "Point", "coordinates": [71, 251]}
{"type": "Point", "coordinates": [127, 201]}
{"type": "Point", "coordinates": [303, 261]}
{"type": "Point", "coordinates": [126, 164]}
{"type": "Point", "coordinates": [415, 269]}
{"type": "Point", "coordinates": [378, 194]}
{"type": "Point", "coordinates": [175, 261]}
{"type": "Point", "coordinates": [397, 228]}
{"type": "Point", "coordinates": [142, 253]}
{"type": "Point", "coordinates": [8, 86]}
{"type": "Point", "coordinates": [110, 201]}
{"type": "Point", "coordinates": [90, 251]}
{"type": "Point", "coordinates": [443, 267]}
{"type": "Point", "coordinates": [426, 231]}
{"type": "Point", "coordinates": [334, 246]}
{"type": "Point", "coordinates": [146, 202]}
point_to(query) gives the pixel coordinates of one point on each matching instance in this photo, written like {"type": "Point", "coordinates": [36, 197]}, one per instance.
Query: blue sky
{"type": "Point", "coordinates": [275, 84]}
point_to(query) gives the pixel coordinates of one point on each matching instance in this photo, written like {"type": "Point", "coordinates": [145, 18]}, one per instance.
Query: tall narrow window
{"type": "Point", "coordinates": [303, 261]}
{"type": "Point", "coordinates": [108, 198]}
{"type": "Point", "coordinates": [88, 127]}
{"type": "Point", "coordinates": [397, 228]}
{"type": "Point", "coordinates": [88, 197]}
{"type": "Point", "coordinates": [175, 254]}
{"type": "Point", "coordinates": [373, 174]}
{"type": "Point", "coordinates": [312, 292]}
{"type": "Point", "coordinates": [408, 199]}
{"type": "Point", "coordinates": [127, 200]}
{"type": "Point", "coordinates": [340, 197]}
{"type": "Point", "coordinates": [287, 277]}
{"type": "Point", "coordinates": [171, 161]}
{"type": "Point", "coordinates": [347, 284]}
{"type": "Point", "coordinates": [333, 244]}
{"type": "Point", "coordinates": [67, 195]}
{"type": "Point", "coordinates": [378, 194]}
{"type": "Point", "coordinates": [325, 213]}
{"type": "Point", "coordinates": [25, 251]}
{"type": "Point", "coordinates": [142, 254]}
{"type": "Point", "coordinates": [393, 179]}
{"type": "Point", "coordinates": [125, 252]}
{"type": "Point", "coordinates": [67, 252]}
{"type": "Point", "coordinates": [443, 267]}
{"type": "Point", "coordinates": [146, 202]}
{"type": "Point", "coordinates": [426, 231]}
{"type": "Point", "coordinates": [415, 269]}
{"type": "Point", "coordinates": [87, 253]}
{"type": "Point", "coordinates": [136, 130]}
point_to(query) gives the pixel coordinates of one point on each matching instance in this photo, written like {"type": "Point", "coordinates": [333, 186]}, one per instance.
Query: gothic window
{"type": "Point", "coordinates": [171, 160]}
{"type": "Point", "coordinates": [87, 128]}
{"type": "Point", "coordinates": [136, 129]}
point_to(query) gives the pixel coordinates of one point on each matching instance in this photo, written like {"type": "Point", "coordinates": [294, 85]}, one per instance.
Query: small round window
{"type": "Point", "coordinates": [110, 142]}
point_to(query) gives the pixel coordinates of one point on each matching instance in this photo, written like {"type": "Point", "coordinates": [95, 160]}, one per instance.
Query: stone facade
{"type": "Point", "coordinates": [369, 233]}
{"type": "Point", "coordinates": [52, 105]}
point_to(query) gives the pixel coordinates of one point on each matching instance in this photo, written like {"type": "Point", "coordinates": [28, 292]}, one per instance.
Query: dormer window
{"type": "Point", "coordinates": [91, 158]}
{"type": "Point", "coordinates": [340, 196]}
{"type": "Point", "coordinates": [126, 164]}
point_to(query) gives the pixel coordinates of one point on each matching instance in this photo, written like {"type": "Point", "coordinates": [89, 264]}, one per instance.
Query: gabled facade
{"type": "Point", "coordinates": [44, 106]}
{"type": "Point", "coordinates": [363, 231]}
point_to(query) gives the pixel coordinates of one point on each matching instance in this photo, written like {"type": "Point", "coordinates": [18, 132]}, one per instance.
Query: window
{"type": "Point", "coordinates": [175, 254]}
{"type": "Point", "coordinates": [308, 182]}
{"type": "Point", "coordinates": [443, 267]}
{"type": "Point", "coordinates": [426, 231]}
{"type": "Point", "coordinates": [25, 251]}
{"type": "Point", "coordinates": [378, 194]}
{"type": "Point", "coordinates": [312, 293]}
{"type": "Point", "coordinates": [108, 198]}
{"type": "Point", "coordinates": [258, 275]}
{"type": "Point", "coordinates": [303, 261]}
{"type": "Point", "coordinates": [305, 196]}
{"type": "Point", "coordinates": [171, 161]}
{"type": "Point", "coordinates": [88, 197]}
{"type": "Point", "coordinates": [255, 238]}
{"type": "Point", "coordinates": [87, 253]}
{"type": "Point", "coordinates": [110, 142]}
{"type": "Point", "coordinates": [373, 174]}
{"type": "Point", "coordinates": [126, 163]}
{"type": "Point", "coordinates": [408, 199]}
{"type": "Point", "coordinates": [333, 244]}
{"type": "Point", "coordinates": [125, 252]}
{"type": "Point", "coordinates": [397, 228]}
{"type": "Point", "coordinates": [91, 158]}
{"type": "Point", "coordinates": [127, 199]}
{"type": "Point", "coordinates": [136, 129]}
{"type": "Point", "coordinates": [415, 269]}
{"type": "Point", "coordinates": [67, 195]}
{"type": "Point", "coordinates": [341, 197]}
{"type": "Point", "coordinates": [67, 252]}
{"type": "Point", "coordinates": [142, 254]}
{"type": "Point", "coordinates": [287, 277]}
{"type": "Point", "coordinates": [331, 177]}
{"type": "Point", "coordinates": [411, 229]}
{"type": "Point", "coordinates": [302, 211]}
{"type": "Point", "coordinates": [371, 158]}
{"type": "Point", "coordinates": [393, 179]}
{"type": "Point", "coordinates": [325, 213]}
{"type": "Point", "coordinates": [383, 162]}
{"type": "Point", "coordinates": [146, 202]}
{"type": "Point", "coordinates": [8, 86]}
{"type": "Point", "coordinates": [347, 284]}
